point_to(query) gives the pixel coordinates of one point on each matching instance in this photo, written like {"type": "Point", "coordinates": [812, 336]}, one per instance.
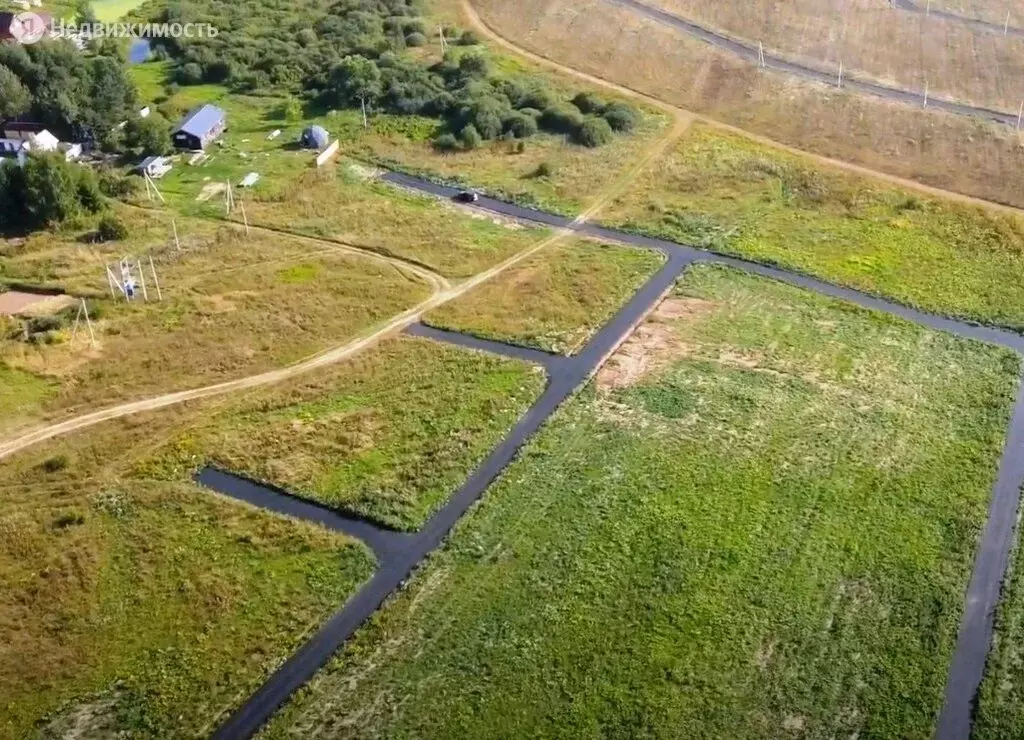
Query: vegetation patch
{"type": "Point", "coordinates": [388, 436]}
{"type": "Point", "coordinates": [731, 194]}
{"type": "Point", "coordinates": [553, 301]}
{"type": "Point", "coordinates": [123, 600]}
{"type": "Point", "coordinates": [231, 305]}
{"type": "Point", "coordinates": [768, 534]}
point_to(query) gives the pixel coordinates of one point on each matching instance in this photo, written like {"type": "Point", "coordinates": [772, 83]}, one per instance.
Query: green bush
{"type": "Point", "coordinates": [621, 117]}
{"type": "Point", "coordinates": [446, 142]}
{"type": "Point", "coordinates": [111, 229]}
{"type": "Point", "coordinates": [594, 132]}
{"type": "Point", "coordinates": [589, 103]}
{"type": "Point", "coordinates": [544, 169]}
{"type": "Point", "coordinates": [55, 464]}
{"type": "Point", "coordinates": [468, 38]}
{"type": "Point", "coordinates": [415, 39]}
{"type": "Point", "coordinates": [519, 126]}
{"type": "Point", "coordinates": [561, 119]}
{"type": "Point", "coordinates": [470, 137]}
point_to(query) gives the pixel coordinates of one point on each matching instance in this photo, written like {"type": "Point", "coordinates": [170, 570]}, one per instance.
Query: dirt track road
{"type": "Point", "coordinates": [443, 292]}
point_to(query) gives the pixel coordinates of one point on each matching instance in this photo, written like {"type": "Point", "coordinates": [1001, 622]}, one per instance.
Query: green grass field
{"type": "Point", "coordinates": [735, 195]}
{"type": "Point", "coordinates": [388, 435]}
{"type": "Point", "coordinates": [124, 600]}
{"type": "Point", "coordinates": [553, 301]}
{"type": "Point", "coordinates": [758, 521]}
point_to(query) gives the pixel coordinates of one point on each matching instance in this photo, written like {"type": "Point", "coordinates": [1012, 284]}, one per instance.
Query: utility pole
{"type": "Point", "coordinates": [83, 310]}
{"type": "Point", "coordinates": [245, 219]}
{"type": "Point", "coordinates": [1006, 25]}
{"type": "Point", "coordinates": [1020, 113]}
{"type": "Point", "coordinates": [362, 100]}
{"type": "Point", "coordinates": [925, 94]}
{"type": "Point", "coordinates": [142, 281]}
{"type": "Point", "coordinates": [840, 83]}
{"type": "Point", "coordinates": [760, 54]}
{"type": "Point", "coordinates": [174, 226]}
{"type": "Point", "coordinates": [444, 41]}
{"type": "Point", "coordinates": [156, 282]}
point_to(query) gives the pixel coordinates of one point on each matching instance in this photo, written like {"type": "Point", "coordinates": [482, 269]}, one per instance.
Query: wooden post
{"type": "Point", "coordinates": [174, 226]}
{"type": "Point", "coordinates": [142, 282]}
{"type": "Point", "coordinates": [156, 282]}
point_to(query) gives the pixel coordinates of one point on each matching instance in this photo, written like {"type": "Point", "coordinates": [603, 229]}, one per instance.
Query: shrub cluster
{"type": "Point", "coordinates": [47, 191]}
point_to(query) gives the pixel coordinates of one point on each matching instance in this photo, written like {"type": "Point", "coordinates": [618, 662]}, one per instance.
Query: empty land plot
{"type": "Point", "coordinates": [341, 204]}
{"type": "Point", "coordinates": [951, 152]}
{"type": "Point", "coordinates": [1000, 707]}
{"type": "Point", "coordinates": [232, 306]}
{"type": "Point", "coordinates": [984, 10]}
{"type": "Point", "coordinates": [877, 41]}
{"type": "Point", "coordinates": [769, 533]}
{"type": "Point", "coordinates": [732, 194]}
{"type": "Point", "coordinates": [388, 436]}
{"type": "Point", "coordinates": [133, 607]}
{"type": "Point", "coordinates": [553, 301]}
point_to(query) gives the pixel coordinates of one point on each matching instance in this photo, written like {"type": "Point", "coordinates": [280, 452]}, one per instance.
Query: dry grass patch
{"type": "Point", "coordinates": [593, 36]}
{"type": "Point", "coordinates": [232, 306]}
{"type": "Point", "coordinates": [732, 194]}
{"type": "Point", "coordinates": [124, 599]}
{"type": "Point", "coordinates": [553, 301]}
{"type": "Point", "coordinates": [876, 41]}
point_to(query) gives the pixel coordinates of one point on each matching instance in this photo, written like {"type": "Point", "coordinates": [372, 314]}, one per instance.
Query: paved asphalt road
{"type": "Point", "coordinates": [750, 52]}
{"type": "Point", "coordinates": [565, 375]}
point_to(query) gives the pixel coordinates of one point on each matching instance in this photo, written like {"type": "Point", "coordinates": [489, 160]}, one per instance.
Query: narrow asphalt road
{"type": "Point", "coordinates": [565, 375]}
{"type": "Point", "coordinates": [751, 53]}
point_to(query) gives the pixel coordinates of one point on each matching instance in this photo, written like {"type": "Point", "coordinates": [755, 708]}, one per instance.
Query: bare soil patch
{"type": "Point", "coordinates": [17, 303]}
{"type": "Point", "coordinates": [654, 345]}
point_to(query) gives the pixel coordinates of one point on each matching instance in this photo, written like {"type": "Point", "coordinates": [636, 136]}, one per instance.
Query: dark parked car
{"type": "Point", "coordinates": [466, 196]}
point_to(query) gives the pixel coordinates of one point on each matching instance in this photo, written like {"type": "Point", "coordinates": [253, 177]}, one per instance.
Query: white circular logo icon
{"type": "Point", "coordinates": [27, 28]}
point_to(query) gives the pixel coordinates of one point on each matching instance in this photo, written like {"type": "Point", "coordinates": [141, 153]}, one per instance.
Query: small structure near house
{"type": "Point", "coordinates": [44, 141]}
{"type": "Point", "coordinates": [199, 128]}
{"type": "Point", "coordinates": [315, 137]}
{"type": "Point", "coordinates": [144, 112]}
{"type": "Point", "coordinates": [155, 167]}
{"type": "Point", "coordinates": [71, 151]}
{"type": "Point", "coordinates": [249, 180]}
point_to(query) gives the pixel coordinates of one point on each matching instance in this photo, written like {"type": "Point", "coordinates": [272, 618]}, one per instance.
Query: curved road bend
{"type": "Point", "coordinates": [975, 23]}
{"type": "Point", "coordinates": [750, 53]}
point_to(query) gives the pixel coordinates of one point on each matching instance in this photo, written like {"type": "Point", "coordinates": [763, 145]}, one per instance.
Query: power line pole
{"type": "Point", "coordinates": [840, 83]}
{"type": "Point", "coordinates": [156, 282]}
{"type": "Point", "coordinates": [174, 226]}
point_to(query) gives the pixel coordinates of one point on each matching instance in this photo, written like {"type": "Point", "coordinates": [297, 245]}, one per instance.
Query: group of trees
{"type": "Point", "coordinates": [78, 97]}
{"type": "Point", "coordinates": [352, 56]}
{"type": "Point", "coordinates": [46, 191]}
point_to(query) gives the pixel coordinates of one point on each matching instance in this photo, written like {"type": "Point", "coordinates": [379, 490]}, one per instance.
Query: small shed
{"type": "Point", "coordinates": [199, 128]}
{"type": "Point", "coordinates": [315, 137]}
{"type": "Point", "coordinates": [155, 167]}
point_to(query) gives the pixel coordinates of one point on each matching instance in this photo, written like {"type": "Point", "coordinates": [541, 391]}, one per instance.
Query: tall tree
{"type": "Point", "coordinates": [14, 97]}
{"type": "Point", "coordinates": [355, 80]}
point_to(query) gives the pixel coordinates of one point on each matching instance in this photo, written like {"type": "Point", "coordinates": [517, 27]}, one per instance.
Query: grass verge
{"type": "Point", "coordinates": [387, 436]}
{"type": "Point", "coordinates": [734, 195]}
{"type": "Point", "coordinates": [775, 500]}
{"type": "Point", "coordinates": [145, 608]}
{"type": "Point", "coordinates": [553, 301]}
